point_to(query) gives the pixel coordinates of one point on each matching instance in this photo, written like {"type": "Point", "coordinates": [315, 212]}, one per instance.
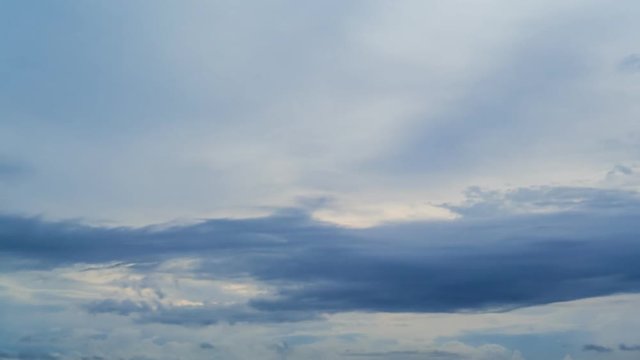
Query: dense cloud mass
{"type": "Point", "coordinates": [489, 260]}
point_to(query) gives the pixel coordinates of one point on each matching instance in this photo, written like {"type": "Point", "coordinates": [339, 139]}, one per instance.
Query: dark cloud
{"type": "Point", "coordinates": [596, 348]}
{"type": "Point", "coordinates": [69, 242]}
{"type": "Point", "coordinates": [624, 347]}
{"type": "Point", "coordinates": [494, 258]}
{"type": "Point", "coordinates": [206, 346]}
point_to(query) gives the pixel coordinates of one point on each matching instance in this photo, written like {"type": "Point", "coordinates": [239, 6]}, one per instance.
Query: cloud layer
{"type": "Point", "coordinates": [495, 258]}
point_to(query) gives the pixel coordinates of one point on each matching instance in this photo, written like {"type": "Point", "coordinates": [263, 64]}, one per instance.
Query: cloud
{"type": "Point", "coordinates": [482, 203]}
{"type": "Point", "coordinates": [27, 355]}
{"type": "Point", "coordinates": [596, 348]}
{"type": "Point", "coordinates": [192, 126]}
{"type": "Point", "coordinates": [195, 315]}
{"type": "Point", "coordinates": [447, 351]}
{"type": "Point", "coordinates": [630, 64]}
{"type": "Point", "coordinates": [206, 346]}
{"type": "Point", "coordinates": [624, 347]}
{"type": "Point", "coordinates": [147, 112]}
{"type": "Point", "coordinates": [124, 307]}
{"type": "Point", "coordinates": [10, 170]}
{"type": "Point", "coordinates": [548, 245]}
{"type": "Point", "coordinates": [433, 354]}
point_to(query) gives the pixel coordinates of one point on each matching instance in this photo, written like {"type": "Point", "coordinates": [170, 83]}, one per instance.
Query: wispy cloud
{"type": "Point", "coordinates": [597, 348]}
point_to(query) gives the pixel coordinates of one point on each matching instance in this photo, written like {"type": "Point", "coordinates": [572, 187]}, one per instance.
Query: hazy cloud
{"type": "Point", "coordinates": [630, 63]}
{"type": "Point", "coordinates": [206, 346]}
{"type": "Point", "coordinates": [597, 348]}
{"type": "Point", "coordinates": [624, 347]}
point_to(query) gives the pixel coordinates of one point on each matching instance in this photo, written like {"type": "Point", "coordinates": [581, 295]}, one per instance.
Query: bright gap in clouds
{"type": "Point", "coordinates": [332, 180]}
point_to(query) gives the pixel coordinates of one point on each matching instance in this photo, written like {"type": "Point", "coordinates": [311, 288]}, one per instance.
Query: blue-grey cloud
{"type": "Point", "coordinates": [409, 354]}
{"type": "Point", "coordinates": [196, 315]}
{"type": "Point", "coordinates": [206, 346]}
{"type": "Point", "coordinates": [27, 355]}
{"type": "Point", "coordinates": [630, 63]}
{"type": "Point", "coordinates": [625, 347]}
{"type": "Point", "coordinates": [477, 263]}
{"type": "Point", "coordinates": [124, 307]}
{"type": "Point", "coordinates": [11, 169]}
{"type": "Point", "coordinates": [597, 348]}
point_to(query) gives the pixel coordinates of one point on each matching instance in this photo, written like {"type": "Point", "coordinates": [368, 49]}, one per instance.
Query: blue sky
{"type": "Point", "coordinates": [319, 180]}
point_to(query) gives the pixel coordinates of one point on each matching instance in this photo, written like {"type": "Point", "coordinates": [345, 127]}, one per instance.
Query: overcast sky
{"type": "Point", "coordinates": [439, 180]}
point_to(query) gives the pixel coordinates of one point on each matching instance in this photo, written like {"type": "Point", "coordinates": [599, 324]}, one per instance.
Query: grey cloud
{"type": "Point", "coordinates": [283, 349]}
{"type": "Point", "coordinates": [204, 316]}
{"type": "Point", "coordinates": [206, 346]}
{"type": "Point", "coordinates": [432, 354]}
{"type": "Point", "coordinates": [195, 315]}
{"type": "Point", "coordinates": [99, 337]}
{"type": "Point", "coordinates": [68, 242]}
{"type": "Point", "coordinates": [124, 307]}
{"type": "Point", "coordinates": [27, 355]}
{"type": "Point", "coordinates": [10, 170]}
{"type": "Point", "coordinates": [597, 348]}
{"type": "Point", "coordinates": [624, 347]}
{"type": "Point", "coordinates": [7, 168]}
{"type": "Point", "coordinates": [48, 336]}
{"type": "Point", "coordinates": [493, 203]}
{"type": "Point", "coordinates": [477, 263]}
{"type": "Point", "coordinates": [630, 64]}
{"type": "Point", "coordinates": [620, 170]}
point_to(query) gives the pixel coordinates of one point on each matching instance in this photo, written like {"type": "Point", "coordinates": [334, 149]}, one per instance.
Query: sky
{"type": "Point", "coordinates": [382, 180]}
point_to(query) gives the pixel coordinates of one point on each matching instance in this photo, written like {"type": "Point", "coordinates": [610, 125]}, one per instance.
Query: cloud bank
{"type": "Point", "coordinates": [507, 251]}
